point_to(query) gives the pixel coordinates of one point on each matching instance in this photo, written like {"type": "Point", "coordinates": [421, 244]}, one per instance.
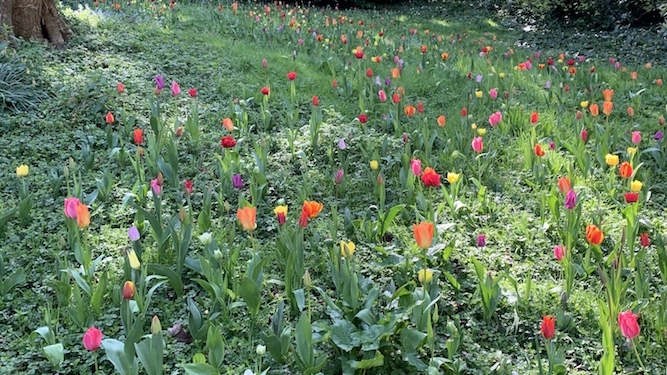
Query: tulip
{"type": "Point", "coordinates": [548, 326]}
{"type": "Point", "coordinates": [70, 207]}
{"type": "Point", "coordinates": [658, 136]}
{"type": "Point", "coordinates": [109, 118]}
{"type": "Point", "coordinates": [495, 118]}
{"type": "Point", "coordinates": [420, 107]}
{"type": "Point", "coordinates": [477, 144]}
{"type": "Point", "coordinates": [159, 82]}
{"type": "Point", "coordinates": [291, 76]}
{"type": "Point", "coordinates": [564, 185]}
{"type": "Point", "coordinates": [396, 98]}
{"type": "Point", "coordinates": [227, 142]}
{"type": "Point", "coordinates": [631, 111]}
{"type": "Point", "coordinates": [425, 276]}
{"type": "Point", "coordinates": [120, 88]}
{"type": "Point", "coordinates": [416, 167]}
{"type": "Point", "coordinates": [607, 107]}
{"type": "Point", "coordinates": [452, 177]}
{"type": "Point", "coordinates": [339, 177]}
{"type": "Point", "coordinates": [156, 187]}
{"type": "Point", "coordinates": [82, 215]}
{"type": "Point", "coordinates": [133, 234]}
{"type": "Point", "coordinates": [316, 101]}
{"type": "Point", "coordinates": [237, 181]}
{"type": "Point", "coordinates": [584, 135]}
{"type": "Point", "coordinates": [347, 248]}
{"type": "Point", "coordinates": [644, 240]}
{"type": "Point", "coordinates": [138, 136]}
{"type": "Point", "coordinates": [627, 322]}
{"type": "Point", "coordinates": [409, 110]}
{"type": "Point", "coordinates": [92, 339]}
{"type": "Point", "coordinates": [265, 91]}
{"type": "Point", "coordinates": [534, 117]}
{"type": "Point", "coordinates": [423, 234]}
{"type": "Point", "coordinates": [430, 177]}
{"type": "Point", "coordinates": [311, 208]}
{"type": "Point", "coordinates": [441, 121]}
{"type": "Point", "coordinates": [187, 185]}
{"type": "Point", "coordinates": [246, 216]}
{"type": "Point", "coordinates": [128, 290]}
{"type": "Point", "coordinates": [478, 94]}
{"type": "Point", "coordinates": [559, 251]}
{"type": "Point", "coordinates": [538, 150]}
{"type": "Point", "coordinates": [374, 164]}
{"type": "Point", "coordinates": [382, 95]}
{"type": "Point", "coordinates": [594, 235]}
{"type": "Point", "coordinates": [363, 118]}
{"type": "Point", "coordinates": [156, 327]}
{"type": "Point", "coordinates": [570, 200]}
{"type": "Point", "coordinates": [175, 88]}
{"type": "Point", "coordinates": [626, 170]}
{"type": "Point", "coordinates": [636, 137]}
{"type": "Point", "coordinates": [134, 260]}
{"type": "Point", "coordinates": [281, 214]}
{"type": "Point", "coordinates": [595, 110]}
{"type": "Point", "coordinates": [608, 95]}
{"type": "Point", "coordinates": [481, 240]}
{"type": "Point", "coordinates": [631, 197]}
{"type": "Point", "coordinates": [206, 238]}
{"type": "Point", "coordinates": [636, 186]}
{"type": "Point", "coordinates": [584, 104]}
{"type": "Point", "coordinates": [464, 112]}
{"type": "Point", "coordinates": [493, 93]}
{"type": "Point", "coordinates": [229, 125]}
{"type": "Point", "coordinates": [632, 151]}
{"type": "Point", "coordinates": [22, 170]}
{"type": "Point", "coordinates": [611, 160]}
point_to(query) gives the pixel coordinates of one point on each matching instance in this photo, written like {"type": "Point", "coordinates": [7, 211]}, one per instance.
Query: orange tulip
{"type": "Point", "coordinates": [409, 110]}
{"type": "Point", "coordinates": [246, 216]}
{"type": "Point", "coordinates": [607, 107]}
{"type": "Point", "coordinates": [594, 235]}
{"type": "Point", "coordinates": [311, 209]}
{"type": "Point", "coordinates": [395, 73]}
{"type": "Point", "coordinates": [441, 121]}
{"type": "Point", "coordinates": [631, 111]}
{"type": "Point", "coordinates": [564, 185]}
{"type": "Point", "coordinates": [538, 150]}
{"type": "Point", "coordinates": [82, 216]}
{"type": "Point", "coordinates": [595, 110]}
{"type": "Point", "coordinates": [423, 234]}
{"type": "Point", "coordinates": [625, 170]}
{"type": "Point", "coordinates": [228, 123]}
{"type": "Point", "coordinates": [608, 95]}
{"type": "Point", "coordinates": [633, 75]}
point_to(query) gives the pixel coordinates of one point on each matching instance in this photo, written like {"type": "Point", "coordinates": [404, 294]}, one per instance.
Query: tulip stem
{"type": "Point", "coordinates": [639, 359]}
{"type": "Point", "coordinates": [96, 365]}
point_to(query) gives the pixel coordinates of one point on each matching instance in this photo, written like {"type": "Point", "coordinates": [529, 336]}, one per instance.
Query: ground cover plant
{"type": "Point", "coordinates": [243, 188]}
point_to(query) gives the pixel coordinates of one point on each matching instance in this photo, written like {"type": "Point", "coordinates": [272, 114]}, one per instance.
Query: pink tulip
{"type": "Point", "coordinates": [493, 93]}
{"type": "Point", "coordinates": [156, 187]}
{"type": "Point", "coordinates": [383, 96]}
{"type": "Point", "coordinates": [636, 137]}
{"type": "Point", "coordinates": [477, 144]}
{"type": "Point", "coordinates": [416, 166]}
{"type": "Point", "coordinates": [495, 118]}
{"type": "Point", "coordinates": [70, 207]}
{"type": "Point", "coordinates": [627, 322]}
{"type": "Point", "coordinates": [175, 88]}
{"type": "Point", "coordinates": [92, 339]}
{"type": "Point", "coordinates": [559, 251]}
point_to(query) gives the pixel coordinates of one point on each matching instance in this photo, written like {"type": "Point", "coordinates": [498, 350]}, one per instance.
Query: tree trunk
{"type": "Point", "coordinates": [35, 19]}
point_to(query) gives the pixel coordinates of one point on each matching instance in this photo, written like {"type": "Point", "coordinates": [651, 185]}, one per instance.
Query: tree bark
{"type": "Point", "coordinates": [35, 19]}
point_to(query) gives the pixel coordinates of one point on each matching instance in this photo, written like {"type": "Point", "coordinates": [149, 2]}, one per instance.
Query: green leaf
{"type": "Point", "coordinates": [376, 361]}
{"type": "Point", "coordinates": [251, 295]}
{"type": "Point", "coordinates": [96, 300]}
{"type": "Point", "coordinates": [300, 299]}
{"type": "Point", "coordinates": [215, 345]}
{"type": "Point", "coordinates": [411, 339]}
{"type": "Point", "coordinates": [200, 369]}
{"type": "Point", "coordinates": [55, 354]}
{"type": "Point", "coordinates": [341, 335]}
{"type": "Point", "coordinates": [150, 354]}
{"type": "Point", "coordinates": [172, 277]}
{"type": "Point", "coordinates": [116, 354]}
{"type": "Point", "coordinates": [17, 278]}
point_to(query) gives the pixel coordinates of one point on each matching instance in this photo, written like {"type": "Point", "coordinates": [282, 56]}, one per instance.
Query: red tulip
{"type": "Point", "coordinates": [548, 326]}
{"type": "Point", "coordinates": [265, 91]}
{"type": "Point", "coordinates": [430, 177]}
{"type": "Point", "coordinates": [316, 100]}
{"type": "Point", "coordinates": [291, 76]}
{"type": "Point", "coordinates": [363, 118]}
{"type": "Point", "coordinates": [645, 241]}
{"type": "Point", "coordinates": [227, 142]}
{"type": "Point", "coordinates": [369, 72]}
{"type": "Point", "coordinates": [464, 112]}
{"type": "Point", "coordinates": [534, 117]}
{"type": "Point", "coordinates": [138, 136]}
{"type": "Point", "coordinates": [109, 118]}
{"type": "Point", "coordinates": [120, 88]}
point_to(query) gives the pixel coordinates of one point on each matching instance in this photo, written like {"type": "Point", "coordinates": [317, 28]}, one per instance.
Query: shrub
{"type": "Point", "coordinates": [18, 88]}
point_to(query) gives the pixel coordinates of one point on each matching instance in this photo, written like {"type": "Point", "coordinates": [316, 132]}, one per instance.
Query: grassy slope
{"type": "Point", "coordinates": [200, 51]}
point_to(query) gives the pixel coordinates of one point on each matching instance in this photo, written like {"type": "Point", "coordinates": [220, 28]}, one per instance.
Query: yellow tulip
{"type": "Point", "coordinates": [425, 276]}
{"type": "Point", "coordinates": [452, 177]}
{"type": "Point", "coordinates": [584, 104]}
{"type": "Point", "coordinates": [134, 261]}
{"type": "Point", "coordinates": [501, 75]}
{"type": "Point", "coordinates": [478, 94]}
{"type": "Point", "coordinates": [632, 151]}
{"type": "Point", "coordinates": [481, 131]}
{"type": "Point", "coordinates": [374, 164]}
{"type": "Point", "coordinates": [347, 249]}
{"type": "Point", "coordinates": [612, 160]}
{"type": "Point", "coordinates": [636, 186]}
{"type": "Point", "coordinates": [22, 170]}
{"type": "Point", "coordinates": [473, 126]}
{"type": "Point", "coordinates": [280, 209]}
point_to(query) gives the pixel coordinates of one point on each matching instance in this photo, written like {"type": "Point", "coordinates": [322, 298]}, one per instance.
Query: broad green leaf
{"type": "Point", "coordinates": [341, 335]}
{"type": "Point", "coordinates": [116, 354]}
{"type": "Point", "coordinates": [200, 369]}
{"type": "Point", "coordinates": [172, 277]}
{"type": "Point", "coordinates": [251, 295]}
{"type": "Point", "coordinates": [55, 354]}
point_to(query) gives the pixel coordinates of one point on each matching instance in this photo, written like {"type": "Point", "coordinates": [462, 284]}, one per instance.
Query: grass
{"type": "Point", "coordinates": [221, 55]}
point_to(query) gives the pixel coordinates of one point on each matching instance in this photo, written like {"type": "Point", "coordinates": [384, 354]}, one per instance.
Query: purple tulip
{"type": "Point", "coordinates": [387, 82]}
{"type": "Point", "coordinates": [339, 177]}
{"type": "Point", "coordinates": [571, 199]}
{"type": "Point", "coordinates": [341, 144]}
{"type": "Point", "coordinates": [659, 135]}
{"type": "Point", "coordinates": [159, 81]}
{"type": "Point", "coordinates": [377, 81]}
{"type": "Point", "coordinates": [133, 233]}
{"type": "Point", "coordinates": [478, 79]}
{"type": "Point", "coordinates": [481, 240]}
{"type": "Point", "coordinates": [547, 85]}
{"type": "Point", "coordinates": [237, 181]}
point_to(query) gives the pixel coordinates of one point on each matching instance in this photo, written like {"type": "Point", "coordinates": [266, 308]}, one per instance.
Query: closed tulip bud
{"type": "Point", "coordinates": [339, 177]}
{"type": "Point", "coordinates": [181, 215]}
{"type": "Point", "coordinates": [134, 260]}
{"type": "Point", "coordinates": [156, 327]}
{"type": "Point", "coordinates": [374, 164]}
{"type": "Point", "coordinates": [72, 166]}
{"type": "Point", "coordinates": [66, 171]}
{"type": "Point", "coordinates": [380, 180]}
{"type": "Point", "coordinates": [261, 350]}
{"type": "Point", "coordinates": [661, 121]}
{"type": "Point", "coordinates": [160, 179]}
{"type": "Point", "coordinates": [307, 281]}
{"type": "Point", "coordinates": [179, 131]}
{"type": "Point", "coordinates": [128, 290]}
{"type": "Point", "coordinates": [227, 207]}
{"type": "Point", "coordinates": [63, 242]}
